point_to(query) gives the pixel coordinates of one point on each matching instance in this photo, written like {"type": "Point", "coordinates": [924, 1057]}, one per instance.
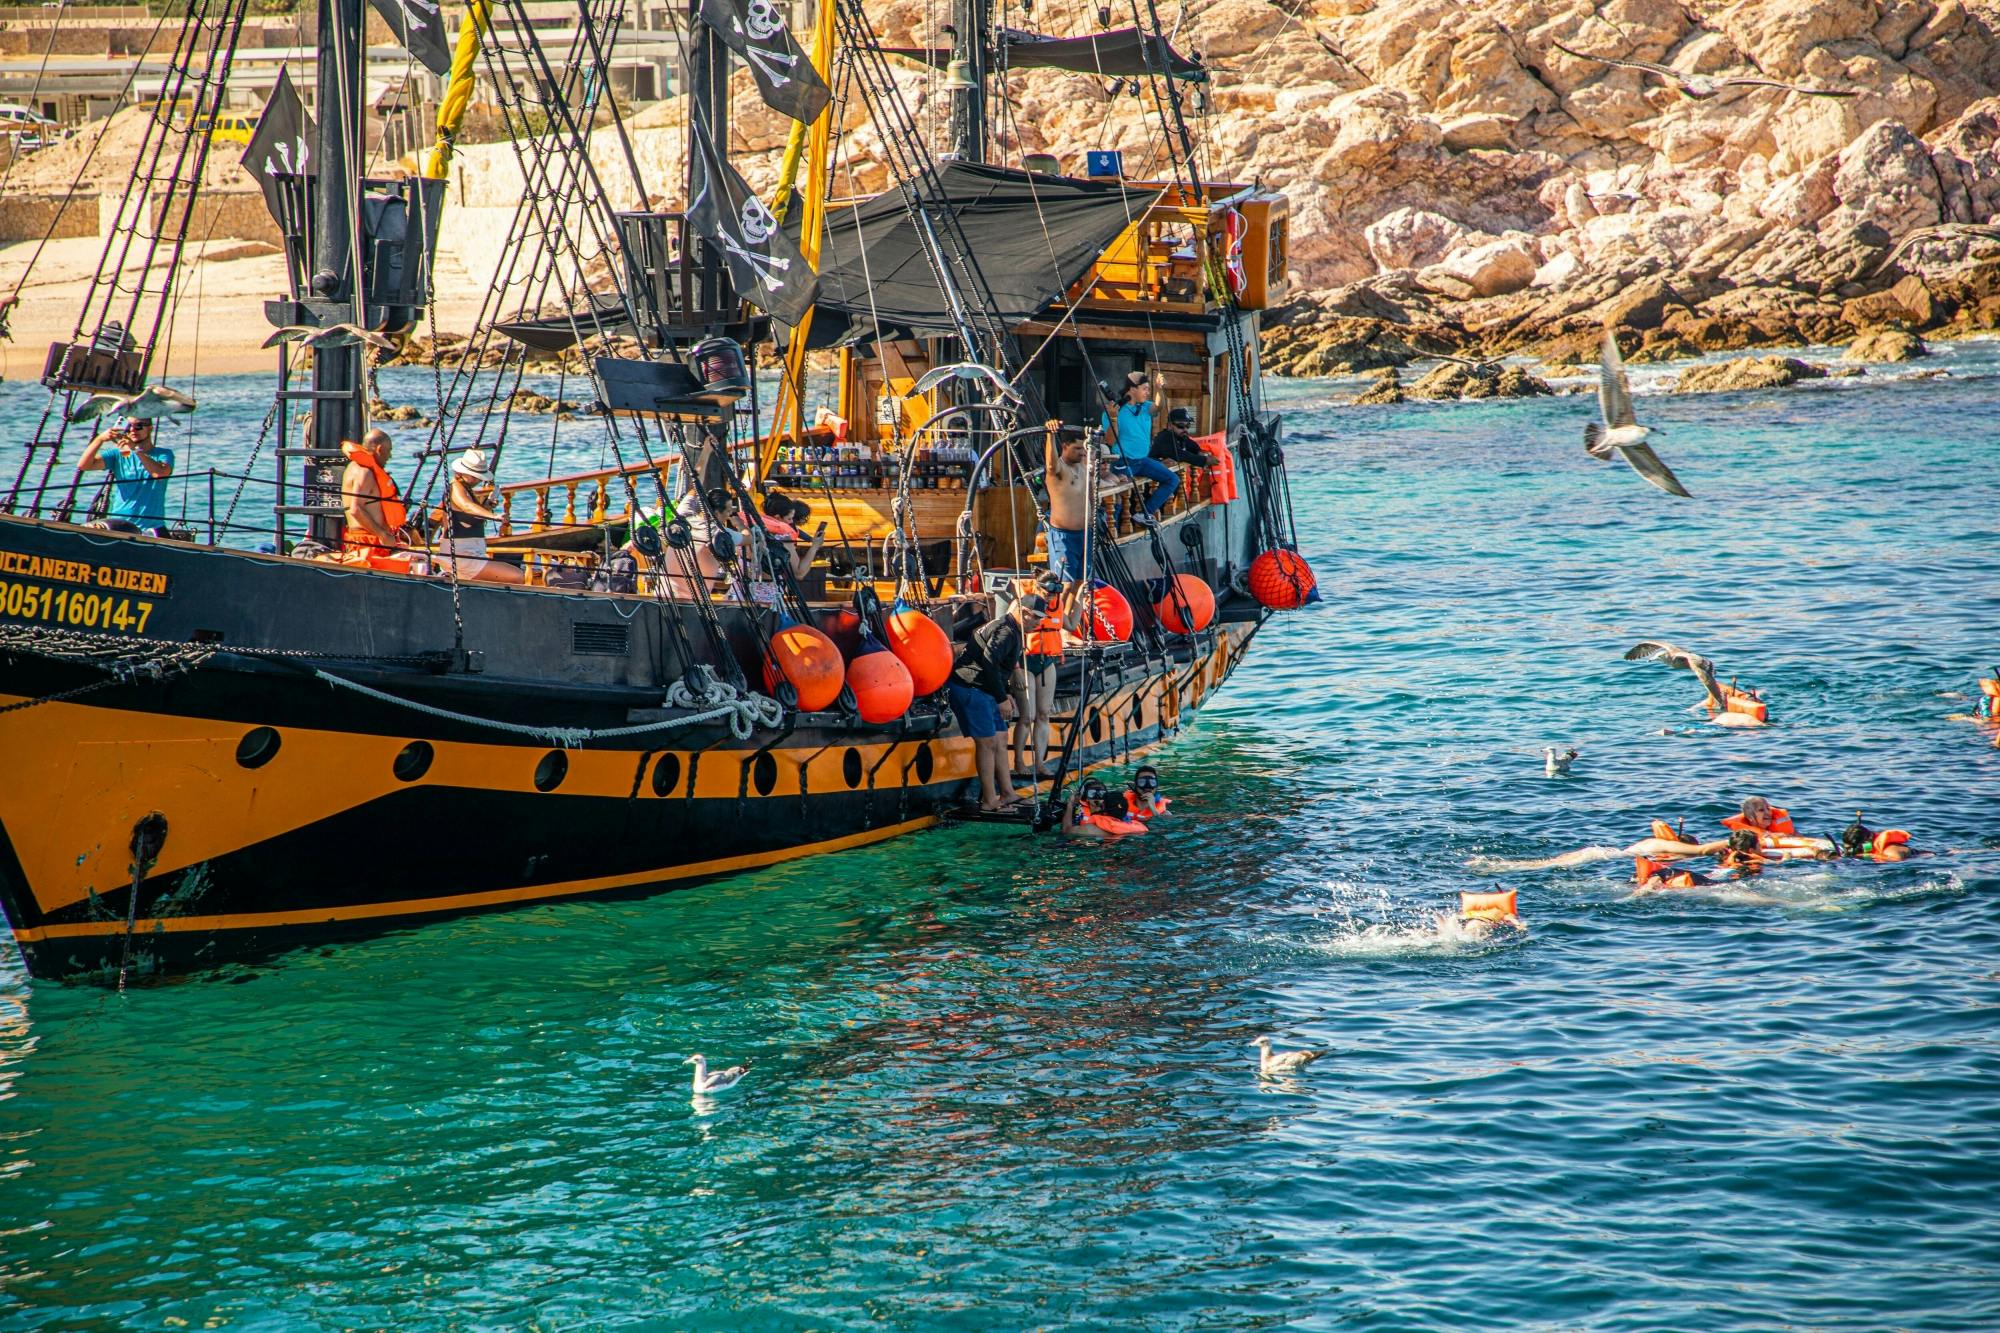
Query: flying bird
{"type": "Point", "coordinates": [705, 1082]}
{"type": "Point", "coordinates": [332, 336]}
{"type": "Point", "coordinates": [1654, 651]}
{"type": "Point", "coordinates": [1621, 431]}
{"type": "Point", "coordinates": [1271, 1064]}
{"type": "Point", "coordinates": [965, 370]}
{"type": "Point", "coordinates": [155, 400]}
{"type": "Point", "coordinates": [1979, 231]}
{"type": "Point", "coordinates": [1703, 85]}
{"type": "Point", "coordinates": [1557, 765]}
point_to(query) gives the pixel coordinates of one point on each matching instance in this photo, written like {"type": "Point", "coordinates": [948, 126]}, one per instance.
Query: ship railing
{"type": "Point", "coordinates": [1161, 262]}
{"type": "Point", "coordinates": [581, 499]}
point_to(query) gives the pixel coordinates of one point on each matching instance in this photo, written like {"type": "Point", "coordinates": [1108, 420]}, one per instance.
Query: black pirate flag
{"type": "Point", "coordinates": [764, 263]}
{"type": "Point", "coordinates": [282, 144]}
{"type": "Point", "coordinates": [756, 31]}
{"type": "Point", "coordinates": [420, 28]}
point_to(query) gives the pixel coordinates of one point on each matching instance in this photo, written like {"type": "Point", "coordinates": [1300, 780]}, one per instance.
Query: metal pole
{"type": "Point", "coordinates": [336, 417]}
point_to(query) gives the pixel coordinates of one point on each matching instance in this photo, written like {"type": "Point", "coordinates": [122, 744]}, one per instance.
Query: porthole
{"type": "Point", "coordinates": [666, 775]}
{"type": "Point", "coordinates": [1097, 726]}
{"type": "Point", "coordinates": [258, 747]}
{"type": "Point", "coordinates": [549, 774]}
{"type": "Point", "coordinates": [413, 761]}
{"type": "Point", "coordinates": [764, 774]}
{"type": "Point", "coordinates": [850, 767]}
{"type": "Point", "coordinates": [1138, 711]}
{"type": "Point", "coordinates": [925, 765]}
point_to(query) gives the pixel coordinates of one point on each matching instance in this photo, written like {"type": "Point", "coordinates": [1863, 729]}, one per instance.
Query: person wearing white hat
{"type": "Point", "coordinates": [466, 517]}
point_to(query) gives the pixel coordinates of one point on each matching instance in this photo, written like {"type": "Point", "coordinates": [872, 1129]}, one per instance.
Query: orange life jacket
{"type": "Point", "coordinates": [1142, 810]}
{"type": "Point", "coordinates": [1644, 868]}
{"type": "Point", "coordinates": [1113, 824]}
{"type": "Point", "coordinates": [1045, 639]}
{"type": "Point", "coordinates": [1736, 701]}
{"type": "Point", "coordinates": [1887, 838]}
{"type": "Point", "coordinates": [1496, 907]}
{"type": "Point", "coordinates": [394, 514]}
{"type": "Point", "coordinates": [1781, 825]}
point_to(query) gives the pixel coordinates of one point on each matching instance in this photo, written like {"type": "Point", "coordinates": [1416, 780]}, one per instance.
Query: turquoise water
{"type": "Point", "coordinates": [1003, 1083]}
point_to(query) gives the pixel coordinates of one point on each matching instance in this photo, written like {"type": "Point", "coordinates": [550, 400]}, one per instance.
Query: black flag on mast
{"type": "Point", "coordinates": [281, 143]}
{"type": "Point", "coordinates": [755, 30]}
{"type": "Point", "coordinates": [419, 26]}
{"type": "Point", "coordinates": [764, 263]}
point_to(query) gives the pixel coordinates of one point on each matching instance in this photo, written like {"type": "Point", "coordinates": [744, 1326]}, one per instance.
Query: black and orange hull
{"type": "Point", "coordinates": [296, 813]}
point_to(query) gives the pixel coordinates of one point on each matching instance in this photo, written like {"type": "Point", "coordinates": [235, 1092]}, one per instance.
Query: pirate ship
{"type": "Point", "coordinates": [216, 751]}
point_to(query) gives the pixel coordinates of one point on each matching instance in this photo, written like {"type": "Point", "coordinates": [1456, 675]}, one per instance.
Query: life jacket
{"type": "Point", "coordinates": [1113, 824]}
{"type": "Point", "coordinates": [1136, 808]}
{"type": "Point", "coordinates": [1666, 832]}
{"type": "Point", "coordinates": [1736, 701]}
{"type": "Point", "coordinates": [1497, 907]}
{"type": "Point", "coordinates": [1781, 825]}
{"type": "Point", "coordinates": [1644, 868]}
{"type": "Point", "coordinates": [1887, 838]}
{"type": "Point", "coordinates": [1045, 639]}
{"type": "Point", "coordinates": [778, 528]}
{"type": "Point", "coordinates": [394, 513]}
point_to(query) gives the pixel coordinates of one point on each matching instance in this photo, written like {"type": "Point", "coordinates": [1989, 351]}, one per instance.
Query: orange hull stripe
{"type": "Point", "coordinates": [467, 901]}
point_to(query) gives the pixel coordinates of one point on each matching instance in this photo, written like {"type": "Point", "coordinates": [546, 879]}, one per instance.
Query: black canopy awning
{"type": "Point", "coordinates": [1124, 53]}
{"type": "Point", "coordinates": [1032, 235]}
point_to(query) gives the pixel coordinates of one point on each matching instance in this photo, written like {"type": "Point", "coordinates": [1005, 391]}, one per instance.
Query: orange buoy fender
{"type": "Point", "coordinates": [1200, 600]}
{"type": "Point", "coordinates": [1281, 580]}
{"type": "Point", "coordinates": [808, 659]}
{"type": "Point", "coordinates": [1111, 613]}
{"type": "Point", "coordinates": [1488, 906]}
{"type": "Point", "coordinates": [923, 647]}
{"type": "Point", "coordinates": [881, 683]}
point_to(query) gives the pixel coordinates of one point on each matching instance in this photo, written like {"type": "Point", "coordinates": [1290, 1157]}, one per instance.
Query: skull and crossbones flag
{"type": "Point", "coordinates": [764, 262]}
{"type": "Point", "coordinates": [755, 30]}
{"type": "Point", "coordinates": [419, 27]}
{"type": "Point", "coordinates": [282, 143]}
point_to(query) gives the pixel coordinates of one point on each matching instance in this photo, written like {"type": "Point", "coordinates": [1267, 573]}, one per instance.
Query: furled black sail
{"type": "Point", "coordinates": [764, 261]}
{"type": "Point", "coordinates": [756, 31]}
{"type": "Point", "coordinates": [281, 143]}
{"type": "Point", "coordinates": [1034, 236]}
{"type": "Point", "coordinates": [419, 26]}
{"type": "Point", "coordinates": [1125, 53]}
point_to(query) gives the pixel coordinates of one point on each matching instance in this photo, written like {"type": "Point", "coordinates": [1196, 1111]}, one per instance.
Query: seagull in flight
{"type": "Point", "coordinates": [966, 370]}
{"type": "Point", "coordinates": [705, 1082]}
{"type": "Point", "coordinates": [1557, 765]}
{"type": "Point", "coordinates": [1621, 432]}
{"type": "Point", "coordinates": [1981, 231]}
{"type": "Point", "coordinates": [1653, 650]}
{"type": "Point", "coordinates": [1275, 1064]}
{"type": "Point", "coordinates": [1703, 85]}
{"type": "Point", "coordinates": [155, 400]}
{"type": "Point", "coordinates": [333, 335]}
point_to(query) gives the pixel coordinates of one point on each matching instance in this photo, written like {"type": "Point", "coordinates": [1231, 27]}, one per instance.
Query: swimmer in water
{"type": "Point", "coordinates": [1739, 856]}
{"type": "Point", "coordinates": [1776, 838]}
{"type": "Point", "coordinates": [1858, 840]}
{"type": "Point", "coordinates": [1096, 812]}
{"type": "Point", "coordinates": [1142, 799]}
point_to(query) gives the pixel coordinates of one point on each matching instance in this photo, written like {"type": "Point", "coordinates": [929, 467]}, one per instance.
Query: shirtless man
{"type": "Point", "coordinates": [1067, 475]}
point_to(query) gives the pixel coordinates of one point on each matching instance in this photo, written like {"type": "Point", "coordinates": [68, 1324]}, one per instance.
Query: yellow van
{"type": "Point", "coordinates": [228, 129]}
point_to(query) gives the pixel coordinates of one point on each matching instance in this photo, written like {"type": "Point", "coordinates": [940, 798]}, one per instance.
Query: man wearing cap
{"type": "Point", "coordinates": [1175, 442]}
{"type": "Point", "coordinates": [982, 667]}
{"type": "Point", "coordinates": [1131, 432]}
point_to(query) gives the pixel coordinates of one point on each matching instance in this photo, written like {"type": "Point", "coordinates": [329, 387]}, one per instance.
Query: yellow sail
{"type": "Point", "coordinates": [788, 415]}
{"type": "Point", "coordinates": [458, 87]}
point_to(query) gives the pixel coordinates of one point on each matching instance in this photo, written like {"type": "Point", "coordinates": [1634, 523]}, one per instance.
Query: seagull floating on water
{"type": "Point", "coordinates": [1702, 85]}
{"type": "Point", "coordinates": [1621, 432]}
{"type": "Point", "coordinates": [965, 370]}
{"type": "Point", "coordinates": [155, 400]}
{"type": "Point", "coordinates": [705, 1082]}
{"type": "Point", "coordinates": [1271, 1063]}
{"type": "Point", "coordinates": [332, 336]}
{"type": "Point", "coordinates": [1557, 765]}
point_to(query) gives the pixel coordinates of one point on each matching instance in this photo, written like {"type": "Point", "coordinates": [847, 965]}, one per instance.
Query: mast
{"type": "Point", "coordinates": [966, 77]}
{"type": "Point", "coordinates": [337, 372]}
{"type": "Point", "coordinates": [708, 103]}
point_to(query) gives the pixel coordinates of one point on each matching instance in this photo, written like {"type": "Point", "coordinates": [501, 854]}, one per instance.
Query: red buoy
{"type": "Point", "coordinates": [882, 686]}
{"type": "Point", "coordinates": [1281, 580]}
{"type": "Point", "coordinates": [920, 645]}
{"type": "Point", "coordinates": [809, 660]}
{"type": "Point", "coordinates": [1199, 599]}
{"type": "Point", "coordinates": [1111, 613]}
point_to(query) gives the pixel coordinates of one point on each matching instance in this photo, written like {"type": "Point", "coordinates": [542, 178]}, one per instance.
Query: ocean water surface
{"type": "Point", "coordinates": [1004, 1082]}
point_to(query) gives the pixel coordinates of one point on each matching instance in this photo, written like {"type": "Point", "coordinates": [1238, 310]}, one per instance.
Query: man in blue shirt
{"type": "Point", "coordinates": [139, 470]}
{"type": "Point", "coordinates": [1132, 437]}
